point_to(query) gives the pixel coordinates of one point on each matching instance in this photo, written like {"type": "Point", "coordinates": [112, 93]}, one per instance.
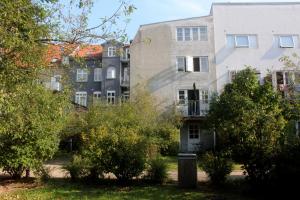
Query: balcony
{"type": "Point", "coordinates": [55, 86]}
{"type": "Point", "coordinates": [193, 108]}
{"type": "Point", "coordinates": [124, 83]}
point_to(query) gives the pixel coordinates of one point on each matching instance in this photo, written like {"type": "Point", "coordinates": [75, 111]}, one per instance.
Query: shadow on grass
{"type": "Point", "coordinates": [137, 189]}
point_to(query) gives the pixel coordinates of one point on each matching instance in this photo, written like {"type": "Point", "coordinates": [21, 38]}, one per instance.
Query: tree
{"type": "Point", "coordinates": [249, 119]}
{"type": "Point", "coordinates": [30, 115]}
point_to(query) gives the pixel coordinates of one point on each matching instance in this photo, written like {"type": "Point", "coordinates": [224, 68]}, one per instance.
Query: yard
{"type": "Point", "coordinates": [63, 189]}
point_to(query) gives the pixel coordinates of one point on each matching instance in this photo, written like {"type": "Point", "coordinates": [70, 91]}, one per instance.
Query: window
{"type": "Point", "coordinates": [195, 33]}
{"type": "Point", "coordinates": [203, 33]}
{"type": "Point", "coordinates": [286, 41]}
{"type": "Point", "coordinates": [192, 33]}
{"type": "Point", "coordinates": [196, 63]}
{"type": "Point", "coordinates": [111, 97]}
{"type": "Point", "coordinates": [112, 51]}
{"type": "Point", "coordinates": [194, 131]}
{"type": "Point", "coordinates": [179, 34]}
{"type": "Point", "coordinates": [97, 95]}
{"type": "Point", "coordinates": [182, 96]}
{"type": "Point", "coordinates": [181, 63]}
{"type": "Point", "coordinates": [242, 41]}
{"type": "Point", "coordinates": [187, 34]}
{"type": "Point", "coordinates": [82, 75]}
{"type": "Point", "coordinates": [81, 98]}
{"type": "Point", "coordinates": [204, 96]}
{"type": "Point", "coordinates": [111, 73]}
{"type": "Point", "coordinates": [97, 74]}
{"type": "Point", "coordinates": [200, 64]}
{"type": "Point", "coordinates": [204, 64]}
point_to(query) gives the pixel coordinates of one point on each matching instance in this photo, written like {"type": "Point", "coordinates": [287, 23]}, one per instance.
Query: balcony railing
{"type": "Point", "coordinates": [193, 108]}
{"type": "Point", "coordinates": [55, 86]}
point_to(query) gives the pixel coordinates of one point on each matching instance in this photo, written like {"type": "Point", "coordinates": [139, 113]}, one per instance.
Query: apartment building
{"type": "Point", "coordinates": [183, 62]}
{"type": "Point", "coordinates": [94, 72]}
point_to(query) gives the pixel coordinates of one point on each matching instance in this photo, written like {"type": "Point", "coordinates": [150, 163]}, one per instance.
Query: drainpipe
{"type": "Point", "coordinates": [214, 140]}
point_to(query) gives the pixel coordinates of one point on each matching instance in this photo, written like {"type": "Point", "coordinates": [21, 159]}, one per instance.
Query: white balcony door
{"type": "Point", "coordinates": [193, 137]}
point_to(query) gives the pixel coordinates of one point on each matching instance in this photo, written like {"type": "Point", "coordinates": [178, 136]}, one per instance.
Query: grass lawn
{"type": "Point", "coordinates": [173, 163]}
{"type": "Point", "coordinates": [61, 189]}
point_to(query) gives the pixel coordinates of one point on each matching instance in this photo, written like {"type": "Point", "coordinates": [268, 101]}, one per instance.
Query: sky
{"type": "Point", "coordinates": [150, 11]}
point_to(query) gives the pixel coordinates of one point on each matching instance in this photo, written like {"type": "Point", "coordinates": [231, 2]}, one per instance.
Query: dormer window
{"type": "Point", "coordinates": [112, 51]}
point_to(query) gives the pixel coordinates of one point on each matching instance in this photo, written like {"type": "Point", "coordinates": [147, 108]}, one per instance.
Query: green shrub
{"type": "Point", "coordinates": [121, 152]}
{"type": "Point", "coordinates": [77, 168]}
{"type": "Point", "coordinates": [157, 171]}
{"type": "Point", "coordinates": [217, 166]}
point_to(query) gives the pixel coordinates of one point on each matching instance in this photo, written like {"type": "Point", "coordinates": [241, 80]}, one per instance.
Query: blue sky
{"type": "Point", "coordinates": [149, 11]}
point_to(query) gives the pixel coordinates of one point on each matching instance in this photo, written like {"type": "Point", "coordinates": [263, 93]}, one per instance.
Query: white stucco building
{"type": "Point", "coordinates": [170, 57]}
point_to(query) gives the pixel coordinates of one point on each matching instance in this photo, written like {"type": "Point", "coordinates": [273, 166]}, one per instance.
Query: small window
{"type": "Point", "coordinates": [203, 33]}
{"type": "Point", "coordinates": [111, 73]}
{"type": "Point", "coordinates": [97, 74]}
{"type": "Point", "coordinates": [112, 51]}
{"type": "Point", "coordinates": [195, 33]}
{"type": "Point", "coordinates": [286, 42]}
{"type": "Point", "coordinates": [111, 97]}
{"type": "Point", "coordinates": [181, 64]}
{"type": "Point", "coordinates": [194, 131]}
{"type": "Point", "coordinates": [204, 64]}
{"type": "Point", "coordinates": [179, 34]}
{"type": "Point", "coordinates": [181, 96]}
{"type": "Point", "coordinates": [96, 95]}
{"type": "Point", "coordinates": [82, 75]}
{"type": "Point", "coordinates": [81, 98]}
{"type": "Point", "coordinates": [242, 41]}
{"type": "Point", "coordinates": [187, 34]}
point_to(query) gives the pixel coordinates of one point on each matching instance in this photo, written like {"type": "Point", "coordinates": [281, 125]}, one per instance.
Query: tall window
{"type": "Point", "coordinates": [82, 75]}
{"type": "Point", "coordinates": [195, 33]}
{"type": "Point", "coordinates": [194, 131]}
{"type": "Point", "coordinates": [81, 98]}
{"type": "Point", "coordinates": [111, 97]}
{"type": "Point", "coordinates": [187, 34]}
{"type": "Point", "coordinates": [204, 96]}
{"type": "Point", "coordinates": [182, 96]}
{"type": "Point", "coordinates": [111, 73]}
{"type": "Point", "coordinates": [286, 41]}
{"type": "Point", "coordinates": [112, 51]}
{"type": "Point", "coordinates": [97, 74]}
{"type": "Point", "coordinates": [96, 95]}
{"type": "Point", "coordinates": [181, 63]}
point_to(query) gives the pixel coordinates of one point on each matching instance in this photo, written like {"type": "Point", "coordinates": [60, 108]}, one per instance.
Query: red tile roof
{"type": "Point", "coordinates": [55, 52]}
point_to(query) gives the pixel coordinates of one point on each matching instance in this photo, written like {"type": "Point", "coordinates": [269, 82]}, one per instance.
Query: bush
{"type": "Point", "coordinates": [157, 171]}
{"type": "Point", "coordinates": [217, 166]}
{"type": "Point", "coordinates": [77, 168]}
{"type": "Point", "coordinates": [121, 152]}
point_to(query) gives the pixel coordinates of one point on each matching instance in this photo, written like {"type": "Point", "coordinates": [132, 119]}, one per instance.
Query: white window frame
{"type": "Point", "coordinates": [96, 95]}
{"type": "Point", "coordinates": [97, 74]}
{"type": "Point", "coordinates": [111, 99]}
{"type": "Point", "coordinates": [286, 46]}
{"type": "Point", "coordinates": [239, 45]}
{"type": "Point", "coordinates": [200, 62]}
{"type": "Point", "coordinates": [179, 38]}
{"type": "Point", "coordinates": [82, 75]}
{"type": "Point", "coordinates": [177, 63]}
{"type": "Point", "coordinates": [182, 101]}
{"type": "Point", "coordinates": [111, 72]}
{"type": "Point", "coordinates": [111, 51]}
{"type": "Point", "coordinates": [78, 100]}
{"type": "Point", "coordinates": [203, 36]}
{"type": "Point", "coordinates": [204, 96]}
{"type": "Point", "coordinates": [201, 33]}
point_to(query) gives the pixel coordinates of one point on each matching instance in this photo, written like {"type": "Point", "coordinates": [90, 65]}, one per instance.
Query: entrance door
{"type": "Point", "coordinates": [193, 137]}
{"type": "Point", "coordinates": [193, 103]}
